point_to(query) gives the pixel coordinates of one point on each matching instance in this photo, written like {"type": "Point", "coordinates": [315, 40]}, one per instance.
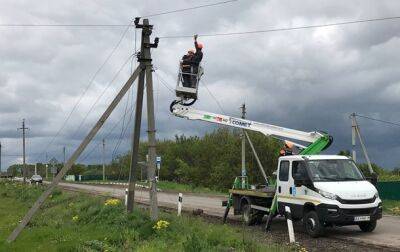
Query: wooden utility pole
{"type": "Point", "coordinates": [104, 159]}
{"type": "Point", "coordinates": [146, 71]}
{"type": "Point", "coordinates": [24, 171]}
{"type": "Point", "coordinates": [243, 107]}
{"type": "Point", "coordinates": [73, 157]}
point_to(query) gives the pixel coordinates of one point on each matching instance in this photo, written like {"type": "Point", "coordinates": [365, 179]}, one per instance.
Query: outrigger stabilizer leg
{"type": "Point", "coordinates": [272, 213]}
{"type": "Point", "coordinates": [228, 207]}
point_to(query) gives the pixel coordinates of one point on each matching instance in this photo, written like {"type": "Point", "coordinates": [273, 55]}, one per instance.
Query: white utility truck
{"type": "Point", "coordinates": [321, 190]}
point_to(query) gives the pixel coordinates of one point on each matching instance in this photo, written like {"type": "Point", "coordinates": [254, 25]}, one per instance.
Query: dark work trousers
{"type": "Point", "coordinates": [194, 76]}
{"type": "Point", "coordinates": [186, 78]}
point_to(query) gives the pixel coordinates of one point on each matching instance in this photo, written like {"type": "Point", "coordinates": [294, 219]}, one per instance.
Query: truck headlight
{"type": "Point", "coordinates": [327, 195]}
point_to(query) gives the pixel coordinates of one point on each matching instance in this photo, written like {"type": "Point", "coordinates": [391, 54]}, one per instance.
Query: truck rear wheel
{"type": "Point", "coordinates": [249, 216]}
{"type": "Point", "coordinates": [312, 224]}
{"type": "Point", "coordinates": [367, 226]}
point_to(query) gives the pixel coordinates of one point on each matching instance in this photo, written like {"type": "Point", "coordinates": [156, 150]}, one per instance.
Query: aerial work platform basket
{"type": "Point", "coordinates": [188, 83]}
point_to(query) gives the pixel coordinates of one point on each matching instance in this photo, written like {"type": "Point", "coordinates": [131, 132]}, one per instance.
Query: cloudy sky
{"type": "Point", "coordinates": [304, 79]}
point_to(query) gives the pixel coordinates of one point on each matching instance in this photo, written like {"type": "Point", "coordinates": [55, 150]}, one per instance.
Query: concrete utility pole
{"type": "Point", "coordinates": [75, 155]}
{"type": "Point", "coordinates": [24, 171]}
{"type": "Point", "coordinates": [103, 157]}
{"type": "Point", "coordinates": [146, 71]}
{"type": "Point", "coordinates": [47, 166]}
{"type": "Point", "coordinates": [243, 107]}
{"type": "Point", "coordinates": [64, 155]}
{"type": "Point", "coordinates": [0, 156]}
{"type": "Point", "coordinates": [353, 136]}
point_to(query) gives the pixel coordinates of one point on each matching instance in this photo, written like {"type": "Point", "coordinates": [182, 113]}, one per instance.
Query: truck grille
{"type": "Point", "coordinates": [363, 201]}
{"type": "Point", "coordinates": [359, 211]}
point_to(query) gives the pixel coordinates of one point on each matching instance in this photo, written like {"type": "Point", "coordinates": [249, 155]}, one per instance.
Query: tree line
{"type": "Point", "coordinates": [212, 161]}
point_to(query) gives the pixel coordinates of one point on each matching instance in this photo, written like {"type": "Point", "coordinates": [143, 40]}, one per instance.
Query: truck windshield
{"type": "Point", "coordinates": [334, 170]}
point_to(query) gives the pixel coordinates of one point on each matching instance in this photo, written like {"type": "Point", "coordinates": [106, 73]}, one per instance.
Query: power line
{"type": "Point", "coordinates": [189, 8]}
{"type": "Point", "coordinates": [284, 28]}
{"type": "Point", "coordinates": [87, 88]}
{"type": "Point", "coordinates": [164, 82]}
{"type": "Point", "coordinates": [105, 136]}
{"type": "Point", "coordinates": [215, 99]}
{"type": "Point", "coordinates": [66, 25]}
{"type": "Point", "coordinates": [123, 129]}
{"type": "Point", "coordinates": [10, 25]}
{"type": "Point", "coordinates": [378, 120]}
{"type": "Point", "coordinates": [101, 95]}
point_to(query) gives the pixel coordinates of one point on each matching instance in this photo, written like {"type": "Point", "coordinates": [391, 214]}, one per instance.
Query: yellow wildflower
{"type": "Point", "coordinates": [75, 218]}
{"type": "Point", "coordinates": [161, 224]}
{"type": "Point", "coordinates": [112, 202]}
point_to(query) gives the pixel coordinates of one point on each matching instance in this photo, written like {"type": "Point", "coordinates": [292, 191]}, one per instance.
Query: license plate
{"type": "Point", "coordinates": [362, 218]}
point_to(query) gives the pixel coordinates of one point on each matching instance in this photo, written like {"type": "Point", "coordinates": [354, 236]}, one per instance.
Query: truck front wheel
{"type": "Point", "coordinates": [367, 226]}
{"type": "Point", "coordinates": [312, 224]}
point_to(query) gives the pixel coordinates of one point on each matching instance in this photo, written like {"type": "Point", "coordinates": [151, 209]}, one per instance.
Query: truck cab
{"type": "Point", "coordinates": [326, 190]}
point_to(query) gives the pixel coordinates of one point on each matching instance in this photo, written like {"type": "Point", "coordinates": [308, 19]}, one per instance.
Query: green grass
{"type": "Point", "coordinates": [391, 207]}
{"type": "Point", "coordinates": [78, 222]}
{"type": "Point", "coordinates": [389, 177]}
{"type": "Point", "coordinates": [173, 186]}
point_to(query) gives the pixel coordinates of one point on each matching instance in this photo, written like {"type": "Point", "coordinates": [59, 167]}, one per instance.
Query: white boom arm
{"type": "Point", "coordinates": [266, 129]}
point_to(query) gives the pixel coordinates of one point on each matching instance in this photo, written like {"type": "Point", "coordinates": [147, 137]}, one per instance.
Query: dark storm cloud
{"type": "Point", "coordinates": [307, 79]}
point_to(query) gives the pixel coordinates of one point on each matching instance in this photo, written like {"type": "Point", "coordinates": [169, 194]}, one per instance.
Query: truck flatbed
{"type": "Point", "coordinates": [266, 192]}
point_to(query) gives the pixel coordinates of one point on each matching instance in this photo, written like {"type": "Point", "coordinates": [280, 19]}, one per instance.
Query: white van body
{"type": "Point", "coordinates": [329, 186]}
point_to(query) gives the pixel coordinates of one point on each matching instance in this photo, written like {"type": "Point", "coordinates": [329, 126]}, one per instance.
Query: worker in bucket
{"type": "Point", "coordinates": [287, 149]}
{"type": "Point", "coordinates": [197, 57]}
{"type": "Point", "coordinates": [186, 66]}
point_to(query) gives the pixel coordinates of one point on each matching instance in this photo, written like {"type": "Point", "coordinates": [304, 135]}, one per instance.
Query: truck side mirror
{"type": "Point", "coordinates": [373, 179]}
{"type": "Point", "coordinates": [301, 179]}
{"type": "Point", "coordinates": [298, 182]}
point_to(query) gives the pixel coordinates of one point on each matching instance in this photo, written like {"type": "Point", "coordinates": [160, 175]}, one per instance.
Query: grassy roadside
{"type": "Point", "coordinates": [176, 187]}
{"type": "Point", "coordinates": [78, 222]}
{"type": "Point", "coordinates": [172, 186]}
{"type": "Point", "coordinates": [391, 207]}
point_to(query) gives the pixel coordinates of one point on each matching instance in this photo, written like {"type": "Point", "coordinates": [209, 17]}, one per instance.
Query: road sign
{"type": "Point", "coordinates": [53, 161]}
{"type": "Point", "coordinates": [158, 161]}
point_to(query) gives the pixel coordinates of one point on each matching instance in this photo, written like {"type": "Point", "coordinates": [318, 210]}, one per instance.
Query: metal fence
{"type": "Point", "coordinates": [389, 190]}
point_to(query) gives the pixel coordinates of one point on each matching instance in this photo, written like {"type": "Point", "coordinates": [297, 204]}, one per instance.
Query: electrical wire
{"type": "Point", "coordinates": [123, 133]}
{"type": "Point", "coordinates": [378, 120]}
{"type": "Point", "coordinates": [101, 95]}
{"type": "Point", "coordinates": [215, 99]}
{"type": "Point", "coordinates": [105, 136]}
{"type": "Point", "coordinates": [86, 89]}
{"type": "Point", "coordinates": [5, 25]}
{"type": "Point", "coordinates": [66, 25]}
{"type": "Point", "coordinates": [284, 28]}
{"type": "Point", "coordinates": [164, 82]}
{"type": "Point", "coordinates": [189, 8]}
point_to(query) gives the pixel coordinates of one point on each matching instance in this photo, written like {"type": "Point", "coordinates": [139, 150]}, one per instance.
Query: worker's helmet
{"type": "Point", "coordinates": [289, 144]}
{"type": "Point", "coordinates": [200, 45]}
{"type": "Point", "coordinates": [191, 50]}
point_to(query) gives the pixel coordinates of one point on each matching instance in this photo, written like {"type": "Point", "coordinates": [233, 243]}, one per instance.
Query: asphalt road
{"type": "Point", "coordinates": [386, 235]}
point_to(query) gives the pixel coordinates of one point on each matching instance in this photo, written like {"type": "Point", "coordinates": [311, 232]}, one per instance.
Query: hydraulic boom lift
{"type": "Point", "coordinates": [318, 141]}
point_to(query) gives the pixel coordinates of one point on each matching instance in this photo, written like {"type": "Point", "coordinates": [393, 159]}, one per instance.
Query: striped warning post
{"type": "Point", "coordinates": [179, 204]}
{"type": "Point", "coordinates": [289, 224]}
